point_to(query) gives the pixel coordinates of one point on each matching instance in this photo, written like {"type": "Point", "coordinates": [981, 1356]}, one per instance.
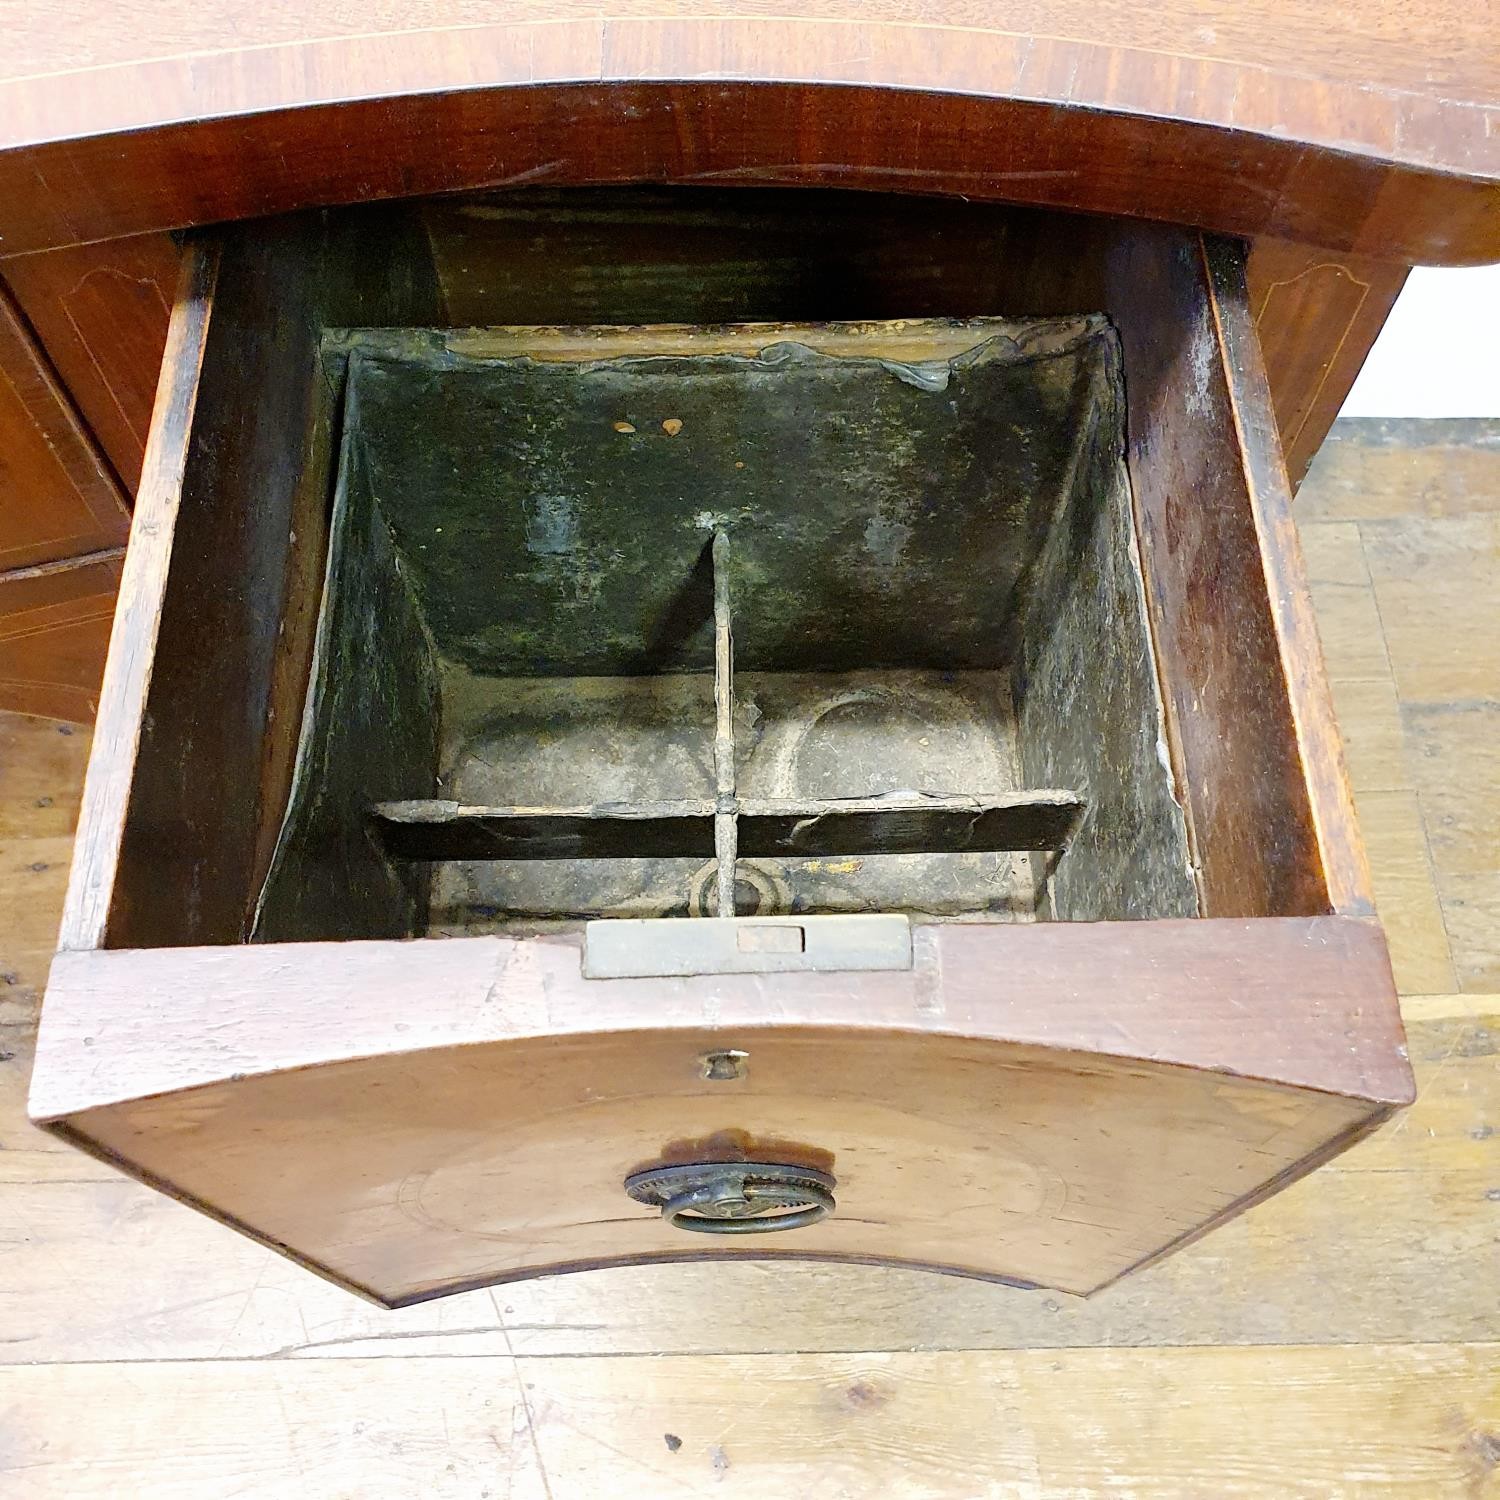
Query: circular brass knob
{"type": "Point", "coordinates": [739, 1197]}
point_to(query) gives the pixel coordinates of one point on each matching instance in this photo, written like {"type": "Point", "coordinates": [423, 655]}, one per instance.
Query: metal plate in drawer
{"type": "Point", "coordinates": [664, 946]}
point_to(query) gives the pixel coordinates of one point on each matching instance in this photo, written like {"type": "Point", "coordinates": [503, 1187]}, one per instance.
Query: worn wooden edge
{"type": "Point", "coordinates": [1221, 663]}
{"type": "Point", "coordinates": [903, 340]}
{"type": "Point", "coordinates": [1346, 868]}
{"type": "Point", "coordinates": [63, 565]}
{"type": "Point", "coordinates": [142, 147]}
{"type": "Point", "coordinates": [1443, 132]}
{"type": "Point", "coordinates": [1301, 1002]}
{"type": "Point", "coordinates": [143, 583]}
{"type": "Point", "coordinates": [1037, 821]}
{"type": "Point", "coordinates": [1293, 1003]}
{"type": "Point", "coordinates": [1158, 632]}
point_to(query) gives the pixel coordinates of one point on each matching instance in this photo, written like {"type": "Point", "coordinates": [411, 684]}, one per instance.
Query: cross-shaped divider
{"type": "Point", "coordinates": [729, 827]}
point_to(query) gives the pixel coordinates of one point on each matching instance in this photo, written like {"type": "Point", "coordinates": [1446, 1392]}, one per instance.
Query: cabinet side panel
{"type": "Point", "coordinates": [189, 838]}
{"type": "Point", "coordinates": [54, 632]}
{"type": "Point", "coordinates": [1089, 713]}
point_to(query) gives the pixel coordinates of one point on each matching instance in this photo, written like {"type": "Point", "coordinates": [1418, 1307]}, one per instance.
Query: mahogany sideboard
{"type": "Point", "coordinates": [422, 359]}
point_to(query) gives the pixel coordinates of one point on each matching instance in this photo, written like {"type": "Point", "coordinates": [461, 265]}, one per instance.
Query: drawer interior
{"type": "Point", "coordinates": [546, 556]}
{"type": "Point", "coordinates": [852, 614]}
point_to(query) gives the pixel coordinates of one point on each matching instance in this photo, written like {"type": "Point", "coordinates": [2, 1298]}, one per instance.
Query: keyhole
{"type": "Point", "coordinates": [726, 1066]}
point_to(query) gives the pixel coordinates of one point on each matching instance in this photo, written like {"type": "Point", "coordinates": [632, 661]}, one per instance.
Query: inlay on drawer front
{"type": "Point", "coordinates": [517, 583]}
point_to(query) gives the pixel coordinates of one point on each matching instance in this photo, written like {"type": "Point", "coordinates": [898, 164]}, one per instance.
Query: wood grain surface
{"type": "Point", "coordinates": [206, 657]}
{"type": "Point", "coordinates": [1415, 1421]}
{"type": "Point", "coordinates": [1376, 135]}
{"type": "Point", "coordinates": [222, 562]}
{"type": "Point", "coordinates": [1338, 1341]}
{"type": "Point", "coordinates": [1272, 827]}
{"type": "Point", "coordinates": [1316, 314]}
{"type": "Point", "coordinates": [101, 312]}
{"type": "Point", "coordinates": [1402, 532]}
{"type": "Point", "coordinates": [58, 496]}
{"type": "Point", "coordinates": [221, 580]}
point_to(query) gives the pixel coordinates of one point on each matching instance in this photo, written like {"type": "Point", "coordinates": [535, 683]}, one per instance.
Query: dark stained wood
{"type": "Point", "coordinates": [906, 824]}
{"type": "Point", "coordinates": [1228, 1057]}
{"type": "Point", "coordinates": [54, 631]}
{"type": "Point", "coordinates": [443, 830]}
{"type": "Point", "coordinates": [971, 494]}
{"type": "Point", "coordinates": [102, 312]}
{"type": "Point", "coordinates": [370, 720]}
{"type": "Point", "coordinates": [538, 257]}
{"type": "Point", "coordinates": [711, 255]}
{"type": "Point", "coordinates": [1375, 139]}
{"type": "Point", "coordinates": [58, 498]}
{"type": "Point", "coordinates": [1316, 313]}
{"type": "Point", "coordinates": [1381, 1248]}
{"type": "Point", "coordinates": [1371, 50]}
{"type": "Point", "coordinates": [1090, 709]}
{"type": "Point", "coordinates": [1141, 111]}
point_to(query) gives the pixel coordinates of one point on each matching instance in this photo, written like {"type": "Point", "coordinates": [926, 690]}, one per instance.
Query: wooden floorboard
{"type": "Point", "coordinates": [1343, 1339]}
{"type": "Point", "coordinates": [1159, 1423]}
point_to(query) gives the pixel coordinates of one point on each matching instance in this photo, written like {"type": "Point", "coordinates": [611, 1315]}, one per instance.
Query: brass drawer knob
{"type": "Point", "coordinates": [735, 1197]}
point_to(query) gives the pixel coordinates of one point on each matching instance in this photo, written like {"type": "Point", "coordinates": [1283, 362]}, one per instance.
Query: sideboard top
{"type": "Point", "coordinates": [1375, 131]}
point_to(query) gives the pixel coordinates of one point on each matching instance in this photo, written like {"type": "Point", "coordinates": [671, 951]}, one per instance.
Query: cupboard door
{"type": "Point", "coordinates": [101, 311]}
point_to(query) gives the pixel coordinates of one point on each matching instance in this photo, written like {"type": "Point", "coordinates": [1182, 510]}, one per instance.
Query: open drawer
{"type": "Point", "coordinates": [645, 726]}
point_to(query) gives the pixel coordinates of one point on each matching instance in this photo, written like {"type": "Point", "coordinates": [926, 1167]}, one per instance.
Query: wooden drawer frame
{"type": "Point", "coordinates": [1053, 1104]}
